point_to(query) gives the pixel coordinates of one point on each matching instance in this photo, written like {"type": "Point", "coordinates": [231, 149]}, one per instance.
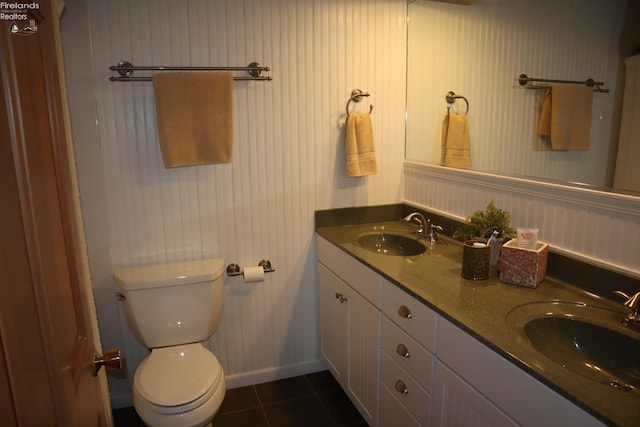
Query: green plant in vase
{"type": "Point", "coordinates": [481, 224]}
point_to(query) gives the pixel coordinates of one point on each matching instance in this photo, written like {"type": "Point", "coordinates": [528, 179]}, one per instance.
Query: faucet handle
{"type": "Point", "coordinates": [633, 301]}
{"type": "Point", "coordinates": [431, 232]}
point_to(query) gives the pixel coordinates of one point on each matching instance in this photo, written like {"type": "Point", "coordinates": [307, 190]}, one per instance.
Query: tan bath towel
{"type": "Point", "coordinates": [359, 147]}
{"type": "Point", "coordinates": [194, 112]}
{"type": "Point", "coordinates": [456, 143]}
{"type": "Point", "coordinates": [566, 116]}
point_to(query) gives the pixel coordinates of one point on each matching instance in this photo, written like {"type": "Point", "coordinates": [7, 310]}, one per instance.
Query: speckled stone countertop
{"type": "Point", "coordinates": [481, 308]}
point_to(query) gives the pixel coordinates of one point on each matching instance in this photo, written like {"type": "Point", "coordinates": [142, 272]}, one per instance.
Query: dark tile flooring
{"type": "Point", "coordinates": [305, 401]}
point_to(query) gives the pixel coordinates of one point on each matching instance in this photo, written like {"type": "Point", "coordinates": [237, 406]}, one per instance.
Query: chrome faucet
{"type": "Point", "coordinates": [426, 229]}
{"type": "Point", "coordinates": [633, 302]}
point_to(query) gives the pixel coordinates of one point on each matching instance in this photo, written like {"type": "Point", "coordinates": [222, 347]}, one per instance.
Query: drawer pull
{"type": "Point", "coordinates": [402, 350]}
{"type": "Point", "coordinates": [401, 387]}
{"type": "Point", "coordinates": [340, 297]}
{"type": "Point", "coordinates": [403, 311]}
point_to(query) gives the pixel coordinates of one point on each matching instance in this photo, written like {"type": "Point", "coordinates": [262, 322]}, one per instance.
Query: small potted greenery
{"type": "Point", "coordinates": [482, 224]}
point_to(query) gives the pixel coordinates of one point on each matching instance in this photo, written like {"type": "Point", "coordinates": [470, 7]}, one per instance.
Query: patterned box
{"type": "Point", "coordinates": [523, 266]}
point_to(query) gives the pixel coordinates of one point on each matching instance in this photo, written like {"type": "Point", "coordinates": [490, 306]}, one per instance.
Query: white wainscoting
{"type": "Point", "coordinates": [597, 227]}
{"type": "Point", "coordinates": [288, 158]}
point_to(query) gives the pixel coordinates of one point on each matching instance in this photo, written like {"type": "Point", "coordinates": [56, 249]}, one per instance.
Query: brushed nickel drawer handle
{"type": "Point", "coordinates": [402, 351]}
{"type": "Point", "coordinates": [403, 311]}
{"type": "Point", "coordinates": [401, 387]}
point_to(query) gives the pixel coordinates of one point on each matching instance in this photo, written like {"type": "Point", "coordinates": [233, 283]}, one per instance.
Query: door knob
{"type": "Point", "coordinates": [111, 360]}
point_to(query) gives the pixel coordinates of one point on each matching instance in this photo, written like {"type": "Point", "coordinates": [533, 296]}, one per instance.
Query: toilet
{"type": "Point", "coordinates": [171, 309]}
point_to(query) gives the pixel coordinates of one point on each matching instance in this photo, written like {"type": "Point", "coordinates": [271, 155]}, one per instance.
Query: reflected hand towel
{"type": "Point", "coordinates": [456, 143]}
{"type": "Point", "coordinates": [566, 116]}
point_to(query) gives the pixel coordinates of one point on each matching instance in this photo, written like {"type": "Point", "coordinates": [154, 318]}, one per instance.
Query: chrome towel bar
{"type": "Point", "coordinates": [525, 80]}
{"type": "Point", "coordinates": [125, 69]}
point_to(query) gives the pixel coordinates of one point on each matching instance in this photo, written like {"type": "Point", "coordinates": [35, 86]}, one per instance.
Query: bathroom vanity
{"type": "Point", "coordinates": [413, 343]}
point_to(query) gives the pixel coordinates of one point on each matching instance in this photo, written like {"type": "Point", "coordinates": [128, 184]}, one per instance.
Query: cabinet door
{"type": "Point", "coordinates": [333, 323]}
{"type": "Point", "coordinates": [364, 355]}
{"type": "Point", "coordinates": [457, 404]}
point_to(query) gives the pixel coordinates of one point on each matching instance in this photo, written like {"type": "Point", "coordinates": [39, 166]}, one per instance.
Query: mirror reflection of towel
{"type": "Point", "coordinates": [456, 144]}
{"type": "Point", "coordinates": [566, 116]}
{"type": "Point", "coordinates": [359, 147]}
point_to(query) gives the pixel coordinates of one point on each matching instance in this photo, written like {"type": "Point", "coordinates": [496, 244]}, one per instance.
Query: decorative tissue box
{"type": "Point", "coordinates": [523, 266]}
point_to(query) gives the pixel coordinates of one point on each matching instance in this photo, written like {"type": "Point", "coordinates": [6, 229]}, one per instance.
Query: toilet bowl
{"type": "Point", "coordinates": [171, 310]}
{"type": "Point", "coordinates": [182, 385]}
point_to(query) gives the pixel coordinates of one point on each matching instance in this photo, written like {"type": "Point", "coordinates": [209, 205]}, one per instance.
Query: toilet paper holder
{"type": "Point", "coordinates": [235, 270]}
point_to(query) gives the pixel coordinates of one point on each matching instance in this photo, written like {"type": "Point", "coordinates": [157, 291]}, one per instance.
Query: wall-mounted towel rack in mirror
{"type": "Point", "coordinates": [125, 69]}
{"type": "Point", "coordinates": [451, 97]}
{"type": "Point", "coordinates": [527, 81]}
{"type": "Point", "coordinates": [356, 96]}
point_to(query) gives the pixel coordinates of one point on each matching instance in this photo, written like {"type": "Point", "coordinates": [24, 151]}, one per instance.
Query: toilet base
{"type": "Point", "coordinates": [201, 416]}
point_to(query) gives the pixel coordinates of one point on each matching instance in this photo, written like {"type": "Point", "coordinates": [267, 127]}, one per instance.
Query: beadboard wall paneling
{"type": "Point", "coordinates": [478, 51]}
{"type": "Point", "coordinates": [288, 158]}
{"type": "Point", "coordinates": [600, 228]}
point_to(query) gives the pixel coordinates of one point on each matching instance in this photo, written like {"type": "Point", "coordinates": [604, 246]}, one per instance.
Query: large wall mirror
{"type": "Point", "coordinates": [478, 51]}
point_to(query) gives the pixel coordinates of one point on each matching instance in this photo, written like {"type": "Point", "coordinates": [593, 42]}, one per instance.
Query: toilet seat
{"type": "Point", "coordinates": [178, 379]}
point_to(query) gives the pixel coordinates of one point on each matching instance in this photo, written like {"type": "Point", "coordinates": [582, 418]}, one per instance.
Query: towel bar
{"type": "Point", "coordinates": [525, 80]}
{"type": "Point", "coordinates": [126, 69]}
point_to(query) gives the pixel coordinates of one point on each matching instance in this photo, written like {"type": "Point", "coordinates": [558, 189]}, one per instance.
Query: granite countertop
{"type": "Point", "coordinates": [481, 308]}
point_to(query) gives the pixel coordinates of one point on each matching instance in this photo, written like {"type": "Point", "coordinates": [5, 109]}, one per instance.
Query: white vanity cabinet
{"type": "Point", "coordinates": [349, 317]}
{"type": "Point", "coordinates": [407, 359]}
{"type": "Point", "coordinates": [402, 364]}
{"type": "Point", "coordinates": [474, 386]}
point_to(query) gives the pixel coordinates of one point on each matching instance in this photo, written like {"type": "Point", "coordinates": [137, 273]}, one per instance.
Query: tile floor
{"type": "Point", "coordinates": [305, 401]}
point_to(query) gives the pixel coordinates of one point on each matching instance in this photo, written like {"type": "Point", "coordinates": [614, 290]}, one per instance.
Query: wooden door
{"type": "Point", "coordinates": [46, 346]}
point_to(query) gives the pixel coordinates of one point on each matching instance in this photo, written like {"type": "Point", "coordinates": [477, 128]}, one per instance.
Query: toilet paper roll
{"type": "Point", "coordinates": [253, 274]}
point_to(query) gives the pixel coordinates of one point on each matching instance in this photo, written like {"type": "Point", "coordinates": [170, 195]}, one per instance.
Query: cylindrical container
{"type": "Point", "coordinates": [496, 247]}
{"type": "Point", "coordinates": [475, 260]}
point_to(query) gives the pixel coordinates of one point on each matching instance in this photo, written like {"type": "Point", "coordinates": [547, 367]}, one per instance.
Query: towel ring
{"type": "Point", "coordinates": [451, 99]}
{"type": "Point", "coordinates": [356, 96]}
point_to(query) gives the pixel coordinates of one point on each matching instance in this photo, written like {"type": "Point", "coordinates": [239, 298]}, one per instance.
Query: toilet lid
{"type": "Point", "coordinates": [173, 376]}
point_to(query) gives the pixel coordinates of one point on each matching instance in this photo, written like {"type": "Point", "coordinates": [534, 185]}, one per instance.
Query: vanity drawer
{"type": "Point", "coordinates": [392, 413]}
{"type": "Point", "coordinates": [407, 353]}
{"type": "Point", "coordinates": [405, 390]}
{"type": "Point", "coordinates": [360, 277]}
{"type": "Point", "coordinates": [411, 315]}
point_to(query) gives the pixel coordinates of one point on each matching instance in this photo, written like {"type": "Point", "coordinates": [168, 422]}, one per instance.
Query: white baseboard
{"type": "Point", "coordinates": [274, 373]}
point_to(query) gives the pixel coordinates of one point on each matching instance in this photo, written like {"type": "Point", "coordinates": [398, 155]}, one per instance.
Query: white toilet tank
{"type": "Point", "coordinates": [172, 304]}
